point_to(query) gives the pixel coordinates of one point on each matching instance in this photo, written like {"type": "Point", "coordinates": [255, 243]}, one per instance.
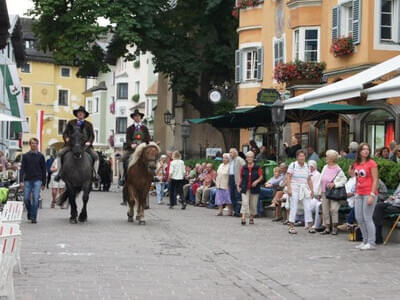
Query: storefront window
{"type": "Point", "coordinates": [379, 126]}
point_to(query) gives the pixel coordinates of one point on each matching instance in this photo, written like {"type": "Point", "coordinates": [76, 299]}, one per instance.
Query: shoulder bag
{"type": "Point", "coordinates": [336, 193]}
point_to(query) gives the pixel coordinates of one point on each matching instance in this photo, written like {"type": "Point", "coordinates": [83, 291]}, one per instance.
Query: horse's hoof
{"type": "Point", "coordinates": [130, 219]}
{"type": "Point", "coordinates": [73, 221]}
{"type": "Point", "coordinates": [82, 219]}
{"type": "Point", "coordinates": [142, 222]}
{"type": "Point", "coordinates": [137, 218]}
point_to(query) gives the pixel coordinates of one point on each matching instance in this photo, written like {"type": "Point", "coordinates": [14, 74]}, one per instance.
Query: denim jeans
{"type": "Point", "coordinates": [236, 197]}
{"type": "Point", "coordinates": [160, 191]}
{"type": "Point", "coordinates": [32, 187]}
{"type": "Point", "coordinates": [265, 193]}
{"type": "Point", "coordinates": [351, 216]}
{"type": "Point", "coordinates": [192, 198]}
{"type": "Point", "coordinates": [211, 202]}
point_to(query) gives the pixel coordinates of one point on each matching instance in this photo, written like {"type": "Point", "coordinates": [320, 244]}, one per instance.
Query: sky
{"type": "Point", "coordinates": [18, 7]}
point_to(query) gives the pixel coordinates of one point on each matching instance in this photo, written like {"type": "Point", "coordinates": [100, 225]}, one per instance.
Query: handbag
{"type": "Point", "coordinates": [336, 193]}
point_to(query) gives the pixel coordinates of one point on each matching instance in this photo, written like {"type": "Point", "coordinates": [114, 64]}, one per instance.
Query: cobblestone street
{"type": "Point", "coordinates": [192, 254]}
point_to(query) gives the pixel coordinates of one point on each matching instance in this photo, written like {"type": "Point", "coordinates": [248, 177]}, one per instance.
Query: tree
{"type": "Point", "coordinates": [193, 41]}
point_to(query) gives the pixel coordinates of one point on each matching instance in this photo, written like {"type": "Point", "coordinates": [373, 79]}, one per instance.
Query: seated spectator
{"type": "Point", "coordinates": [350, 190]}
{"type": "Point", "coordinates": [378, 153]}
{"type": "Point", "coordinates": [188, 194]}
{"type": "Point", "coordinates": [353, 147]}
{"type": "Point", "coordinates": [263, 155]}
{"type": "Point", "coordinates": [343, 153]}
{"type": "Point", "coordinates": [389, 206]}
{"type": "Point", "coordinates": [385, 153]}
{"type": "Point", "coordinates": [312, 155]}
{"type": "Point", "coordinates": [203, 192]}
{"type": "Point", "coordinates": [272, 154]}
{"type": "Point", "coordinates": [268, 190]}
{"type": "Point", "coordinates": [222, 195]}
{"type": "Point", "coordinates": [279, 198]}
{"type": "Point", "coordinates": [315, 201]}
{"type": "Point", "coordinates": [396, 155]}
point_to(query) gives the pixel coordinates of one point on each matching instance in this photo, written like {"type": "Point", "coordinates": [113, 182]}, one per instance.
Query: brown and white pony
{"type": "Point", "coordinates": [141, 170]}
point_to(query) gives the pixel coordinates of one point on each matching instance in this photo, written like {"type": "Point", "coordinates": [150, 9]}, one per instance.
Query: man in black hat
{"type": "Point", "coordinates": [87, 129]}
{"type": "Point", "coordinates": [136, 134]}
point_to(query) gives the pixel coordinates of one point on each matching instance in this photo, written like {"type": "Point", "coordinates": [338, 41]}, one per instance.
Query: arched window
{"type": "Point", "coordinates": [379, 129]}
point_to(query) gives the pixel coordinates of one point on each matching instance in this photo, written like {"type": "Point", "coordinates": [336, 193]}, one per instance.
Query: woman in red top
{"type": "Point", "coordinates": [249, 186]}
{"type": "Point", "coordinates": [366, 172]}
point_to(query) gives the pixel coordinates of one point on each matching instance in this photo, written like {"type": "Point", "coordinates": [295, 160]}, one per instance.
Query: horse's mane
{"type": "Point", "coordinates": [135, 156]}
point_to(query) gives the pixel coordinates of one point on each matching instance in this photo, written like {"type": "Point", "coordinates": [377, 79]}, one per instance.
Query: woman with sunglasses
{"type": "Point", "coordinates": [366, 171]}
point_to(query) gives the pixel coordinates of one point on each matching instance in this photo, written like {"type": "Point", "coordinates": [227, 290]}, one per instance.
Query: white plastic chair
{"type": "Point", "coordinates": [9, 239]}
{"type": "Point", "coordinates": [12, 214]}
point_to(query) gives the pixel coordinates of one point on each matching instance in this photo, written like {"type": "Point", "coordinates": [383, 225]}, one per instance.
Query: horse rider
{"type": "Point", "coordinates": [87, 130]}
{"type": "Point", "coordinates": [136, 134]}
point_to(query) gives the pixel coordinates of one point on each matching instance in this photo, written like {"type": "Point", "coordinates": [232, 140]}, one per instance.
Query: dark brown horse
{"type": "Point", "coordinates": [141, 170]}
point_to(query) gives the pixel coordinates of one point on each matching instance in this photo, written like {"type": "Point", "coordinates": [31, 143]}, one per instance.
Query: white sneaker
{"type": "Point", "coordinates": [360, 246]}
{"type": "Point", "coordinates": [368, 247]}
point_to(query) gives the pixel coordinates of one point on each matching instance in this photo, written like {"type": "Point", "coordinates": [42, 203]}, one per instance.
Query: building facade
{"type": "Point", "coordinates": [273, 33]}
{"type": "Point", "coordinates": [50, 92]}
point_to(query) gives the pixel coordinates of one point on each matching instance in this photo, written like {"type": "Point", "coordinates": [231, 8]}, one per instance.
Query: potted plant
{"type": "Point", "coordinates": [299, 72]}
{"type": "Point", "coordinates": [135, 98]}
{"type": "Point", "coordinates": [342, 46]}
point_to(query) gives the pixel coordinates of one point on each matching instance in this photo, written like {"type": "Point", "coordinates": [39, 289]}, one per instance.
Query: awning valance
{"type": "Point", "coordinates": [388, 89]}
{"type": "Point", "coordinates": [345, 89]}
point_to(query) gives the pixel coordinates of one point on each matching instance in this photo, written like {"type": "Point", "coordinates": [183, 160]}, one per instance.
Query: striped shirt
{"type": "Point", "coordinates": [299, 174]}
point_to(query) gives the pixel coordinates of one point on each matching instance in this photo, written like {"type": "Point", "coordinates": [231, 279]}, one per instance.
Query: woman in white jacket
{"type": "Point", "coordinates": [332, 176]}
{"type": "Point", "coordinates": [176, 176]}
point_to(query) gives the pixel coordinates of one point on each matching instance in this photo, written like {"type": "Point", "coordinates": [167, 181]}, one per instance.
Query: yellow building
{"type": "Point", "coordinates": [275, 32]}
{"type": "Point", "coordinates": [47, 87]}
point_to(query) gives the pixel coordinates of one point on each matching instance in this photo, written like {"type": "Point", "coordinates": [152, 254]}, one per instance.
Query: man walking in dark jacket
{"type": "Point", "coordinates": [33, 177]}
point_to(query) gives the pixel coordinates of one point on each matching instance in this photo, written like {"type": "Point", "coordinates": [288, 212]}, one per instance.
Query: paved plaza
{"type": "Point", "coordinates": [192, 254]}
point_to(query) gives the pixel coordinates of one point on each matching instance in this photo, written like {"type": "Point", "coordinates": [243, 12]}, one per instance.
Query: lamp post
{"type": "Point", "coordinates": [185, 133]}
{"type": "Point", "coordinates": [168, 116]}
{"type": "Point", "coordinates": [278, 119]}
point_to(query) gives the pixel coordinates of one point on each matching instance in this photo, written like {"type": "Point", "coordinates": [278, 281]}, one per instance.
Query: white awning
{"type": "Point", "coordinates": [388, 89]}
{"type": "Point", "coordinates": [344, 89]}
{"type": "Point", "coordinates": [8, 118]}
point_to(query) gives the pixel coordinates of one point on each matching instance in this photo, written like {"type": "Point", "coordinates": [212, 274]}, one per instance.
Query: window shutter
{"type": "Point", "coordinates": [356, 21]}
{"type": "Point", "coordinates": [260, 62]}
{"type": "Point", "coordinates": [238, 66]}
{"type": "Point", "coordinates": [335, 22]}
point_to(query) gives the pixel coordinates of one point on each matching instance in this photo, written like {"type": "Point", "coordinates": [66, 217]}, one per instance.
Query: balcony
{"type": "Point", "coordinates": [292, 4]}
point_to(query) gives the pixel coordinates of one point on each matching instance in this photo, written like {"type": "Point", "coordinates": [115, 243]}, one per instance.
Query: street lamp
{"type": "Point", "coordinates": [168, 117]}
{"type": "Point", "coordinates": [278, 119]}
{"type": "Point", "coordinates": [185, 133]}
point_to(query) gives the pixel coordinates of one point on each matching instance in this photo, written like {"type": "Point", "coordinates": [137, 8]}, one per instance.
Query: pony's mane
{"type": "Point", "coordinates": [133, 159]}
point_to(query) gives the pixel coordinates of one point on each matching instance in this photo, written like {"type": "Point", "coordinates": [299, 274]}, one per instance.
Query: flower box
{"type": "Point", "coordinates": [342, 46]}
{"type": "Point", "coordinates": [299, 72]}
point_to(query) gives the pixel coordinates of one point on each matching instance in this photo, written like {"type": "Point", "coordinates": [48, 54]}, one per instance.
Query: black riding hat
{"type": "Point", "coordinates": [80, 108]}
{"type": "Point", "coordinates": [137, 112]}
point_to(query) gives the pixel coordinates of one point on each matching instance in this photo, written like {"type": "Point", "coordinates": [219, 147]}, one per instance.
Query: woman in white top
{"type": "Point", "coordinates": [222, 195]}
{"type": "Point", "coordinates": [57, 188]}
{"type": "Point", "coordinates": [300, 188]}
{"type": "Point", "coordinates": [176, 176]}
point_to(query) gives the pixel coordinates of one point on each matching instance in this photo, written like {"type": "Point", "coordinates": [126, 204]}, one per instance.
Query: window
{"type": "Point", "coordinates": [26, 93]}
{"type": "Point", "coordinates": [61, 126]}
{"type": "Point", "coordinates": [96, 105]}
{"type": "Point", "coordinates": [65, 72]}
{"type": "Point", "coordinates": [63, 97]}
{"type": "Point", "coordinates": [96, 136]}
{"type": "Point", "coordinates": [346, 20]}
{"type": "Point", "coordinates": [89, 105]}
{"type": "Point", "coordinates": [121, 125]}
{"type": "Point", "coordinates": [279, 50]}
{"type": "Point", "coordinates": [26, 68]}
{"type": "Point", "coordinates": [389, 25]}
{"type": "Point", "coordinates": [306, 44]}
{"type": "Point", "coordinates": [28, 124]}
{"type": "Point", "coordinates": [29, 44]}
{"type": "Point", "coordinates": [137, 87]}
{"type": "Point", "coordinates": [122, 90]}
{"type": "Point", "coordinates": [249, 64]}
